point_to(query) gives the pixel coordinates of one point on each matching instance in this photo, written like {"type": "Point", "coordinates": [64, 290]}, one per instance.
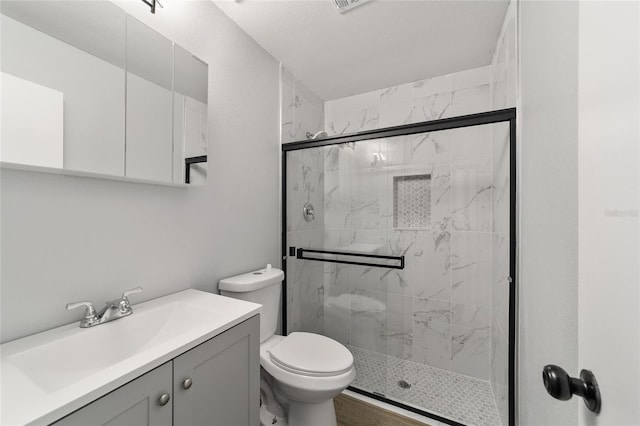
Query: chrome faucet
{"type": "Point", "coordinates": [113, 310]}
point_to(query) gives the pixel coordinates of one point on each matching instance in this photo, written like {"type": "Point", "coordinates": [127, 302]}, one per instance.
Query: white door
{"type": "Point", "coordinates": [608, 202]}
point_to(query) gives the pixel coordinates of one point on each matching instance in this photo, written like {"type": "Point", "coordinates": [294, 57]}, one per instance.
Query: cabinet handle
{"type": "Point", "coordinates": [164, 399]}
{"type": "Point", "coordinates": [187, 383]}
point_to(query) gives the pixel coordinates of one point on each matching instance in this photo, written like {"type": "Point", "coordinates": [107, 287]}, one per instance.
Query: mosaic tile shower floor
{"type": "Point", "coordinates": [460, 398]}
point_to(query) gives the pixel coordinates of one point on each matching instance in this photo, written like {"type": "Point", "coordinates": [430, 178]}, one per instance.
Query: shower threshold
{"type": "Point", "coordinates": [461, 399]}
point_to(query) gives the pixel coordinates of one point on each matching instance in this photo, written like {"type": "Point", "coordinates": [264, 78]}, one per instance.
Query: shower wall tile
{"type": "Point", "coordinates": [433, 107]}
{"type": "Point", "coordinates": [311, 297]}
{"type": "Point", "coordinates": [305, 285]}
{"type": "Point", "coordinates": [410, 313]}
{"type": "Point", "coordinates": [363, 119]}
{"type": "Point", "coordinates": [400, 243]}
{"type": "Point", "coordinates": [399, 332]}
{"type": "Point", "coordinates": [431, 273]}
{"type": "Point", "coordinates": [369, 320]}
{"type": "Point", "coordinates": [368, 194]}
{"type": "Point", "coordinates": [302, 113]}
{"type": "Point", "coordinates": [367, 279]}
{"type": "Point", "coordinates": [337, 305]}
{"type": "Point", "coordinates": [337, 200]}
{"type": "Point", "coordinates": [470, 349]}
{"type": "Point", "coordinates": [471, 189]}
{"type": "Point", "coordinates": [470, 101]}
{"type": "Point", "coordinates": [464, 92]}
{"type": "Point", "coordinates": [401, 94]}
{"type": "Point", "coordinates": [332, 158]}
{"type": "Point", "coordinates": [395, 105]}
{"type": "Point", "coordinates": [471, 268]}
{"type": "Point", "coordinates": [470, 340]}
{"type": "Point", "coordinates": [432, 332]}
{"type": "Point", "coordinates": [441, 194]}
{"type": "Point", "coordinates": [432, 86]}
{"type": "Point", "coordinates": [302, 110]}
{"type": "Point", "coordinates": [336, 278]}
{"type": "Point", "coordinates": [470, 315]}
{"type": "Point", "coordinates": [472, 143]}
{"type": "Point", "coordinates": [305, 183]}
{"type": "Point", "coordinates": [337, 126]}
{"type": "Point", "coordinates": [347, 115]}
{"type": "Point", "coordinates": [428, 148]}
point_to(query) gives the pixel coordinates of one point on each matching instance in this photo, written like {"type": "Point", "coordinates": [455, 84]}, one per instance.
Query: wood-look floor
{"type": "Point", "coordinates": [354, 412]}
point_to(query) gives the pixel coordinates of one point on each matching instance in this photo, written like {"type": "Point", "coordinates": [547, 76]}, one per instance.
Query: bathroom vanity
{"type": "Point", "coordinates": [188, 358]}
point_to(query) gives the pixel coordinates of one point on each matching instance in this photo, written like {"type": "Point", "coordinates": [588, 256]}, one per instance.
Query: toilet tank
{"type": "Point", "coordinates": [262, 286]}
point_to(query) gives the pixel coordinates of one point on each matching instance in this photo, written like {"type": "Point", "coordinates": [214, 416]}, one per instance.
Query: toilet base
{"type": "Point", "coordinates": [303, 414]}
{"type": "Point", "coordinates": [267, 418]}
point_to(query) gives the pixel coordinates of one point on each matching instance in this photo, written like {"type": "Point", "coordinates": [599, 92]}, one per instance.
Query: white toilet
{"type": "Point", "coordinates": [301, 372]}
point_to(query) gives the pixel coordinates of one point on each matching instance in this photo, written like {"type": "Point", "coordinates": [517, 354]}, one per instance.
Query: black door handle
{"type": "Point", "coordinates": [560, 386]}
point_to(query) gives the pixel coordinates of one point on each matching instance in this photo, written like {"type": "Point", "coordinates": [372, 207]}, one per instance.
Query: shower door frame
{"type": "Point", "coordinates": [484, 118]}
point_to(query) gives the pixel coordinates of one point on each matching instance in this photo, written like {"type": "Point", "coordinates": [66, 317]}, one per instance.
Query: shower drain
{"type": "Point", "coordinates": [404, 384]}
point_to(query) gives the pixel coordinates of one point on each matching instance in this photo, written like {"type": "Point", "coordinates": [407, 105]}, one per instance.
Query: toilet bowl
{"type": "Point", "coordinates": [305, 370]}
{"type": "Point", "coordinates": [308, 384]}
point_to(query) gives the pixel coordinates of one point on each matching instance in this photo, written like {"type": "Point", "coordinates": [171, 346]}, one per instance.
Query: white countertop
{"type": "Point", "coordinates": [135, 344]}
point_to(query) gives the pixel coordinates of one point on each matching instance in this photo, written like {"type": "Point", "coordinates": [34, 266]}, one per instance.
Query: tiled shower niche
{"type": "Point", "coordinates": [412, 201]}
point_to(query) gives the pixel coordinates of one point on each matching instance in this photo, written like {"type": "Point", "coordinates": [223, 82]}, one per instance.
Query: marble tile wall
{"type": "Point", "coordinates": [503, 95]}
{"type": "Point", "coordinates": [301, 110]}
{"type": "Point", "coordinates": [445, 96]}
{"type": "Point", "coordinates": [305, 285]}
{"type": "Point", "coordinates": [438, 311]}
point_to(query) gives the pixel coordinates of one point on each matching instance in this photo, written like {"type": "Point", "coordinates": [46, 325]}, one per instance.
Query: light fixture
{"type": "Point", "coordinates": [152, 4]}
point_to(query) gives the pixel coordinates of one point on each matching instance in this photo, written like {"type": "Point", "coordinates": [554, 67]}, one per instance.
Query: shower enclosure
{"type": "Point", "coordinates": [399, 243]}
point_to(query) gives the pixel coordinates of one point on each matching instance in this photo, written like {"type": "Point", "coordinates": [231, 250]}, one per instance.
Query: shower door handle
{"type": "Point", "coordinates": [560, 386]}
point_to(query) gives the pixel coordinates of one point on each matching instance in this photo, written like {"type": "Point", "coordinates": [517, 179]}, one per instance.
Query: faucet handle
{"type": "Point", "coordinates": [124, 301]}
{"type": "Point", "coordinates": [89, 313]}
{"type": "Point", "coordinates": [132, 291]}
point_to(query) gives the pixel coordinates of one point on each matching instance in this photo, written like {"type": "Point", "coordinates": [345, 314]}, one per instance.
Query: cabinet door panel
{"type": "Point", "coordinates": [226, 379]}
{"type": "Point", "coordinates": [135, 403]}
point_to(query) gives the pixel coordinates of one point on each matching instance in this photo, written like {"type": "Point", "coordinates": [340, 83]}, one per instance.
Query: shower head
{"type": "Point", "coordinates": [320, 135]}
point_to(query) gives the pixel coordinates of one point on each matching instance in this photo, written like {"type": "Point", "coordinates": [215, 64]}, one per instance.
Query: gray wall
{"type": "Point", "coordinates": [69, 238]}
{"type": "Point", "coordinates": [548, 203]}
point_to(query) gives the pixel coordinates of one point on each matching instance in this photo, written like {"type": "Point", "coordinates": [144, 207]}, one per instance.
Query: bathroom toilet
{"type": "Point", "coordinates": [301, 372]}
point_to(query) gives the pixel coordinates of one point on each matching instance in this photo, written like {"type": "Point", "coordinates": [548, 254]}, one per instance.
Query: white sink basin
{"type": "Point", "coordinates": [50, 374]}
{"type": "Point", "coordinates": [73, 356]}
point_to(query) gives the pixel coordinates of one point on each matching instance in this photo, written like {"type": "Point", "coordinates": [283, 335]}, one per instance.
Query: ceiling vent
{"type": "Point", "coordinates": [344, 5]}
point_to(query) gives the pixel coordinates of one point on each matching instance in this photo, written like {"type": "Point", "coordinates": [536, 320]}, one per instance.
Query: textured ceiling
{"type": "Point", "coordinates": [378, 44]}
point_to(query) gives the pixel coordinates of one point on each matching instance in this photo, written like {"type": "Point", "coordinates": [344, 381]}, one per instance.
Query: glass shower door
{"type": "Point", "coordinates": [433, 334]}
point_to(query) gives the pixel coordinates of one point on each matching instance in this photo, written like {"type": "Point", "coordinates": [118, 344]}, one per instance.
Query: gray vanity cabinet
{"type": "Point", "coordinates": [216, 383]}
{"type": "Point", "coordinates": [136, 403]}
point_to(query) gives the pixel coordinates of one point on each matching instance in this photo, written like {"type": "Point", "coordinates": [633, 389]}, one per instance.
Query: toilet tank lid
{"type": "Point", "coordinates": [251, 281]}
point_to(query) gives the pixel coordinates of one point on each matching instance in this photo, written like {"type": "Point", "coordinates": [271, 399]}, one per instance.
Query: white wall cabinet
{"type": "Point", "coordinates": [216, 383]}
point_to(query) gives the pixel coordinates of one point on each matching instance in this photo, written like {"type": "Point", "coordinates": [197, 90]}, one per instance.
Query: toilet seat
{"type": "Point", "coordinates": [311, 355]}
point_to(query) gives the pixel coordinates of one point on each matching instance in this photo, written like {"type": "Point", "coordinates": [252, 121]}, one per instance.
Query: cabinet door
{"type": "Point", "coordinates": [136, 403]}
{"type": "Point", "coordinates": [225, 379]}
